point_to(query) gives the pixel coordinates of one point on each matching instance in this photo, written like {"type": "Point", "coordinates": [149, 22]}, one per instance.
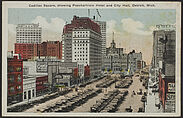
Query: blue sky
{"type": "Point", "coordinates": [133, 27]}
{"type": "Point", "coordinates": [146, 16]}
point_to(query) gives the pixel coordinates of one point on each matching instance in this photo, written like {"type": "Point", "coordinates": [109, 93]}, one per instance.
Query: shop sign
{"type": "Point", "coordinates": [171, 87]}
{"type": "Point", "coordinates": [170, 97]}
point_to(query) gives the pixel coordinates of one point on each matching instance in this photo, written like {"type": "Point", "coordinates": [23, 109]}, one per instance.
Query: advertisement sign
{"type": "Point", "coordinates": [170, 97]}
{"type": "Point", "coordinates": [41, 67]}
{"type": "Point", "coordinates": [171, 87]}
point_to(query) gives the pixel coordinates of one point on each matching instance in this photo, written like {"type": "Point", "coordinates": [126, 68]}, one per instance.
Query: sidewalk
{"type": "Point", "coordinates": [26, 101]}
{"type": "Point", "coordinates": [151, 101]}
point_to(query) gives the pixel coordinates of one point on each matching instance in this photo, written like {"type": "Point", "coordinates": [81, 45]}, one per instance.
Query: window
{"type": "Point", "coordinates": [25, 97]}
{"type": "Point", "coordinates": [10, 68]}
{"type": "Point", "coordinates": [12, 89]}
{"type": "Point", "coordinates": [19, 88]}
{"type": "Point", "coordinates": [19, 78]}
{"type": "Point", "coordinates": [11, 78]}
{"type": "Point", "coordinates": [18, 69]}
{"type": "Point", "coordinates": [33, 93]}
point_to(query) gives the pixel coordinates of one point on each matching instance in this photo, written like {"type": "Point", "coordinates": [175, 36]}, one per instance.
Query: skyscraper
{"type": "Point", "coordinates": [102, 25]}
{"type": "Point", "coordinates": [28, 33]}
{"type": "Point", "coordinates": [84, 45]}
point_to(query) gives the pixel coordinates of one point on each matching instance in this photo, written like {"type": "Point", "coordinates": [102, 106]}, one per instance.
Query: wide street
{"type": "Point", "coordinates": [129, 100]}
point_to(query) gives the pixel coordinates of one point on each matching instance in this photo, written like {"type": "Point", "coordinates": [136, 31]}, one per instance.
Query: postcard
{"type": "Point", "coordinates": [73, 58]}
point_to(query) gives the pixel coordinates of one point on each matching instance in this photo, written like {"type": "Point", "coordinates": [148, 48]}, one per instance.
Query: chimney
{"type": "Point", "coordinates": [94, 17]}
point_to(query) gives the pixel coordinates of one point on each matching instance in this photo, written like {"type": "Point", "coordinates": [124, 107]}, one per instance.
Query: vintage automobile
{"type": "Point", "coordinates": [129, 109]}
{"type": "Point", "coordinates": [141, 109]}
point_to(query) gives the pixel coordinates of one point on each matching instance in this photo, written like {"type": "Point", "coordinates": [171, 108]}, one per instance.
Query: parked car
{"type": "Point", "coordinates": [141, 109]}
{"type": "Point", "coordinates": [129, 109]}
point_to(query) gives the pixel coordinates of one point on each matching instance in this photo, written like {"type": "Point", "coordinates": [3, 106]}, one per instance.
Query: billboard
{"type": "Point", "coordinates": [41, 67]}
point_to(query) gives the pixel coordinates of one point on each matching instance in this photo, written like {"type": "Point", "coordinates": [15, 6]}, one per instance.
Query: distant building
{"type": "Point", "coordinates": [82, 44]}
{"type": "Point", "coordinates": [115, 60]}
{"type": "Point", "coordinates": [124, 62]}
{"type": "Point", "coordinates": [102, 25]}
{"type": "Point", "coordinates": [15, 78]}
{"type": "Point", "coordinates": [45, 49]}
{"type": "Point", "coordinates": [133, 58]}
{"type": "Point", "coordinates": [112, 50]}
{"type": "Point", "coordinates": [28, 33]}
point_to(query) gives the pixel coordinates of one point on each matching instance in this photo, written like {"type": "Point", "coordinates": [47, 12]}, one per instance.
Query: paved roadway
{"type": "Point", "coordinates": [134, 101]}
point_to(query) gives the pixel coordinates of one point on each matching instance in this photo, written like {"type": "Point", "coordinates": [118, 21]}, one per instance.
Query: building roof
{"type": "Point", "coordinates": [82, 23]}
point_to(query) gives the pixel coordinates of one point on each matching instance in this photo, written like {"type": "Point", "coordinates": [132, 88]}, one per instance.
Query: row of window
{"type": "Point", "coordinates": [80, 35]}
{"type": "Point", "coordinates": [18, 88]}
{"type": "Point", "coordinates": [29, 93]}
{"type": "Point", "coordinates": [14, 69]}
{"type": "Point", "coordinates": [81, 32]}
{"type": "Point", "coordinates": [12, 78]}
{"type": "Point", "coordinates": [80, 55]}
{"type": "Point", "coordinates": [80, 41]}
{"type": "Point", "coordinates": [22, 41]}
{"type": "Point", "coordinates": [81, 52]}
{"type": "Point", "coordinates": [80, 44]}
{"type": "Point", "coordinates": [28, 30]}
{"type": "Point", "coordinates": [31, 35]}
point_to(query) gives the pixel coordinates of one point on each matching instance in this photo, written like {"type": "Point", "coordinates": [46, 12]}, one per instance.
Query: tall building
{"type": "Point", "coordinates": [28, 33]}
{"type": "Point", "coordinates": [158, 46]}
{"type": "Point", "coordinates": [167, 72]}
{"type": "Point", "coordinates": [102, 25]}
{"type": "Point", "coordinates": [86, 44]}
{"type": "Point", "coordinates": [45, 49]}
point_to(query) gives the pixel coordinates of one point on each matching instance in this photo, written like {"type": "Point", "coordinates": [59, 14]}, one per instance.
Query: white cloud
{"type": "Point", "coordinates": [56, 24]}
{"type": "Point", "coordinates": [110, 26]}
{"type": "Point", "coordinates": [131, 26]}
{"type": "Point", "coordinates": [12, 28]}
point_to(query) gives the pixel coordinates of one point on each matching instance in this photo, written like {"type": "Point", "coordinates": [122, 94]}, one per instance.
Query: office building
{"type": "Point", "coordinates": [28, 33]}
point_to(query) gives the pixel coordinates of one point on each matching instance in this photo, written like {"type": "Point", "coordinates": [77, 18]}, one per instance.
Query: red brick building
{"type": "Point", "coordinates": [164, 89]}
{"type": "Point", "coordinates": [47, 49]}
{"type": "Point", "coordinates": [41, 85]}
{"type": "Point", "coordinates": [15, 79]}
